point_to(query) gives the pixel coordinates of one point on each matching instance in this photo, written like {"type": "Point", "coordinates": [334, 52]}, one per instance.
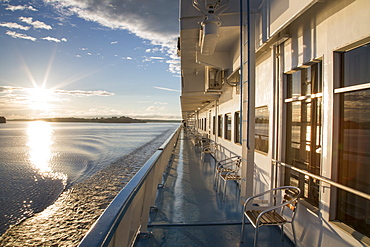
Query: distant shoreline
{"type": "Point", "coordinates": [98, 120]}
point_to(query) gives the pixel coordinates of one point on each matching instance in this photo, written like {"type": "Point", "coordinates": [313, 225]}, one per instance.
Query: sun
{"type": "Point", "coordinates": [40, 98]}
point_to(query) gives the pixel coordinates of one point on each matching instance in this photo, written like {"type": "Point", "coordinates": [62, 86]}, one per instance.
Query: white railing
{"type": "Point", "coordinates": [128, 213]}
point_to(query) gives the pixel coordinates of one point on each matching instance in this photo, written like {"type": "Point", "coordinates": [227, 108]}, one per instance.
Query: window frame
{"type": "Point", "coordinates": [309, 99]}
{"type": "Point", "coordinates": [237, 127]}
{"type": "Point", "coordinates": [260, 144]}
{"type": "Point", "coordinates": [340, 91]}
{"type": "Point", "coordinates": [220, 126]}
{"type": "Point", "coordinates": [227, 126]}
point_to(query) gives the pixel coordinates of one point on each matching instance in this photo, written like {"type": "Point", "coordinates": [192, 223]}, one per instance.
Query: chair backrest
{"type": "Point", "coordinates": [238, 163]}
{"type": "Point", "coordinates": [229, 160]}
{"type": "Point", "coordinates": [291, 196]}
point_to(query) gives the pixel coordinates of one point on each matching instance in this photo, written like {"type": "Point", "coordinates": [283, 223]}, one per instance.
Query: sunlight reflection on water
{"type": "Point", "coordinates": [40, 140]}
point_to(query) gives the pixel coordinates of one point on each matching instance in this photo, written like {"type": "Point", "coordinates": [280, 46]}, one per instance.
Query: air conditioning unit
{"type": "Point", "coordinates": [213, 79]}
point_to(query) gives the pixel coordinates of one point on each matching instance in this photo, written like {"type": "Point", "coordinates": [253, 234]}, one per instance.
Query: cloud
{"type": "Point", "coordinates": [84, 93]}
{"type": "Point", "coordinates": [156, 21]}
{"type": "Point", "coordinates": [24, 90]}
{"type": "Point", "coordinates": [153, 20]}
{"type": "Point", "coordinates": [54, 39]}
{"type": "Point", "coordinates": [148, 59]}
{"type": "Point", "coordinates": [13, 25]}
{"type": "Point", "coordinates": [167, 89]}
{"type": "Point", "coordinates": [20, 7]}
{"type": "Point", "coordinates": [35, 24]}
{"type": "Point", "coordinates": [8, 89]}
{"type": "Point", "coordinates": [20, 35]}
{"type": "Point", "coordinates": [155, 108]}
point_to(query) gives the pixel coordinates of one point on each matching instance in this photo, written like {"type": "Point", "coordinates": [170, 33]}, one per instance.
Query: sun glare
{"type": "Point", "coordinates": [41, 98]}
{"type": "Point", "coordinates": [40, 141]}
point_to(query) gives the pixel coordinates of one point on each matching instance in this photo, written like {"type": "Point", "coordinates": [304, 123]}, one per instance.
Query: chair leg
{"type": "Point", "coordinates": [216, 180]}
{"type": "Point", "coordinates": [215, 175]}
{"type": "Point", "coordinates": [294, 237]}
{"type": "Point", "coordinates": [223, 195]}
{"type": "Point", "coordinates": [255, 236]}
{"type": "Point", "coordinates": [218, 184]}
{"type": "Point", "coordinates": [242, 232]}
{"type": "Point", "coordinates": [282, 232]}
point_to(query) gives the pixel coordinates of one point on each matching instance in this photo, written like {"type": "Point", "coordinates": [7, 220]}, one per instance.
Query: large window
{"type": "Point", "coordinates": [237, 127]}
{"type": "Point", "coordinates": [354, 137]}
{"type": "Point", "coordinates": [228, 126]}
{"type": "Point", "coordinates": [262, 129]}
{"type": "Point", "coordinates": [303, 129]}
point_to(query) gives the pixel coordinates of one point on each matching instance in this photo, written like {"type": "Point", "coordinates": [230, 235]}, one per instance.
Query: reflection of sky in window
{"type": "Point", "coordinates": [357, 106]}
{"type": "Point", "coordinates": [262, 112]}
{"type": "Point", "coordinates": [262, 121]}
{"type": "Point", "coordinates": [296, 84]}
{"type": "Point", "coordinates": [356, 66]}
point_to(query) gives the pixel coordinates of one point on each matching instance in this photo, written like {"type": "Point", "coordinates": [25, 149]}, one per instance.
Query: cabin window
{"type": "Point", "coordinates": [304, 129]}
{"type": "Point", "coordinates": [354, 137]}
{"type": "Point", "coordinates": [262, 129]}
{"type": "Point", "coordinates": [205, 124]}
{"type": "Point", "coordinates": [237, 127]}
{"type": "Point", "coordinates": [220, 125]}
{"type": "Point", "coordinates": [214, 125]}
{"type": "Point", "coordinates": [228, 126]}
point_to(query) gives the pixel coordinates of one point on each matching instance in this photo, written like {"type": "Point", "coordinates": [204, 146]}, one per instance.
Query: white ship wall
{"type": "Point", "coordinates": [314, 30]}
{"type": "Point", "coordinates": [326, 27]}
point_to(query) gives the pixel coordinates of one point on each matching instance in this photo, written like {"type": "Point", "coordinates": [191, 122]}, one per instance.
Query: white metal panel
{"type": "Point", "coordinates": [283, 11]}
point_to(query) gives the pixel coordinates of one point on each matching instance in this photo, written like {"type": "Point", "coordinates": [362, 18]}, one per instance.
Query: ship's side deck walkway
{"type": "Point", "coordinates": [189, 212]}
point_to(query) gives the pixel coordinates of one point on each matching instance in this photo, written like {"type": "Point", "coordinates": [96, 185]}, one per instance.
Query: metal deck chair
{"type": "Point", "coordinates": [225, 165]}
{"type": "Point", "coordinates": [270, 212]}
{"type": "Point", "coordinates": [230, 173]}
{"type": "Point", "coordinates": [211, 148]}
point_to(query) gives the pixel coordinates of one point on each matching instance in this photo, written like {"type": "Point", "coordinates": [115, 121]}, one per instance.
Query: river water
{"type": "Point", "coordinates": [57, 178]}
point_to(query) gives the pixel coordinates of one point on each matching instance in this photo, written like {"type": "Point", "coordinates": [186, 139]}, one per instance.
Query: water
{"type": "Point", "coordinates": [86, 161]}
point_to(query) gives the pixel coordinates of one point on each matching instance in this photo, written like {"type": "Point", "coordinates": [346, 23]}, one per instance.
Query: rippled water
{"type": "Point", "coordinates": [39, 160]}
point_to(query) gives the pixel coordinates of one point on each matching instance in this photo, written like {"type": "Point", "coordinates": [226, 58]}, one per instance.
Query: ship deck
{"type": "Point", "coordinates": [189, 211]}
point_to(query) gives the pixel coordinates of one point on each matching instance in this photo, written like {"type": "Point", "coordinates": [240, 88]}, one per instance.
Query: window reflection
{"type": "Point", "coordinates": [355, 159]}
{"type": "Point", "coordinates": [304, 129]}
{"type": "Point", "coordinates": [228, 126]}
{"type": "Point", "coordinates": [354, 133]}
{"type": "Point", "coordinates": [262, 129]}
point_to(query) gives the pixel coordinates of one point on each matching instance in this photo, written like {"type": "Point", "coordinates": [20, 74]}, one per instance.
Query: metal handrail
{"type": "Point", "coordinates": [326, 180]}
{"type": "Point", "coordinates": [105, 228]}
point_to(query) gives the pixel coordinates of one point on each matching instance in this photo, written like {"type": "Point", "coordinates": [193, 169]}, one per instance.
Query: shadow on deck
{"type": "Point", "coordinates": [189, 212]}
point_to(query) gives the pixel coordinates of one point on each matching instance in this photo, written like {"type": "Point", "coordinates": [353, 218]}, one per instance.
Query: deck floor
{"type": "Point", "coordinates": [189, 211]}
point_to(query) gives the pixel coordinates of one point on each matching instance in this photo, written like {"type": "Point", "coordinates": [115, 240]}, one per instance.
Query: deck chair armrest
{"type": "Point", "coordinates": [274, 208]}
{"type": "Point", "coordinates": [267, 192]}
{"type": "Point", "coordinates": [232, 157]}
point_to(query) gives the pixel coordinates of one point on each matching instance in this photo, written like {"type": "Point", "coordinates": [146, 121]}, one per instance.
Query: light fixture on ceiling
{"type": "Point", "coordinates": [209, 32]}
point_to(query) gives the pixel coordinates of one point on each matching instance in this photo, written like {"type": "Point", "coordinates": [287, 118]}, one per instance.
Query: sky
{"type": "Point", "coordinates": [89, 58]}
